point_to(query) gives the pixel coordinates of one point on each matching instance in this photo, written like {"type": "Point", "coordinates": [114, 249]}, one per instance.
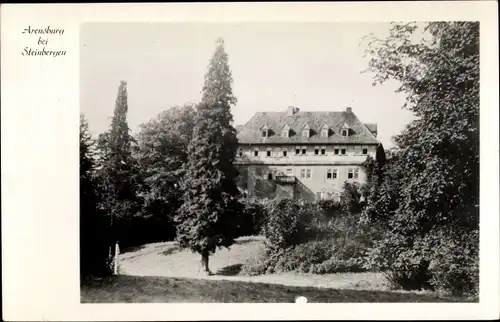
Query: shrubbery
{"type": "Point", "coordinates": [316, 257]}
{"type": "Point", "coordinates": [251, 219]}
{"type": "Point", "coordinates": [288, 222]}
{"type": "Point", "coordinates": [312, 237]}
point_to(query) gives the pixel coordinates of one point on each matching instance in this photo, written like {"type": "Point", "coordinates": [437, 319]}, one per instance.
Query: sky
{"type": "Point", "coordinates": [313, 66]}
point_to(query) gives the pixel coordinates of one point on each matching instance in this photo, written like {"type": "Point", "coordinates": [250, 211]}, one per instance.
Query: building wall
{"type": "Point", "coordinates": [315, 181]}
{"type": "Point", "coordinates": [354, 153]}
{"type": "Point", "coordinates": [255, 170]}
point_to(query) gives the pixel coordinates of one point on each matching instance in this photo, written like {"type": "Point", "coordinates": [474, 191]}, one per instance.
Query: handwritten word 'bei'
{"type": "Point", "coordinates": [46, 30]}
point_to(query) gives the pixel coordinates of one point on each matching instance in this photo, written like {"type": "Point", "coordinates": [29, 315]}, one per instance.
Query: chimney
{"type": "Point", "coordinates": [348, 109]}
{"type": "Point", "coordinates": [291, 110]}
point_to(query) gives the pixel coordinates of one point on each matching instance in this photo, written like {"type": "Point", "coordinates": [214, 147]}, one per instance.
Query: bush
{"type": "Point", "coordinates": [288, 222]}
{"type": "Point", "coordinates": [441, 260]}
{"type": "Point", "coordinates": [251, 219]}
{"type": "Point", "coordinates": [263, 264]}
{"type": "Point", "coordinates": [454, 267]}
{"type": "Point", "coordinates": [335, 265]}
{"type": "Point", "coordinates": [316, 257]}
{"type": "Point", "coordinates": [301, 257]}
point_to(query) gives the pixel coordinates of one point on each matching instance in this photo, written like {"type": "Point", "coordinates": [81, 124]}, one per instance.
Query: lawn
{"type": "Point", "coordinates": [150, 289]}
{"type": "Point", "coordinates": [164, 273]}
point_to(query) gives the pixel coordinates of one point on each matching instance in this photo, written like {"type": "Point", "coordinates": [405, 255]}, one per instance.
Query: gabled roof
{"type": "Point", "coordinates": [325, 126]}
{"type": "Point", "coordinates": [250, 132]}
{"type": "Point", "coordinates": [285, 127]}
{"type": "Point", "coordinates": [372, 127]}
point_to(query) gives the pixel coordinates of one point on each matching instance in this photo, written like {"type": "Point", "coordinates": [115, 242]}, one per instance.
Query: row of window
{"type": "Point", "coordinates": [352, 173]}
{"type": "Point", "coordinates": [306, 133]}
{"type": "Point", "coordinates": [302, 151]}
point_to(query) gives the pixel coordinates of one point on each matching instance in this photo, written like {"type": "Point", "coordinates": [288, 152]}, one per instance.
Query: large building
{"type": "Point", "coordinates": [306, 155]}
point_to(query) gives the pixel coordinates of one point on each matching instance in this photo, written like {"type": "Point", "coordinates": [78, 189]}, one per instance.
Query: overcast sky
{"type": "Point", "coordinates": [164, 65]}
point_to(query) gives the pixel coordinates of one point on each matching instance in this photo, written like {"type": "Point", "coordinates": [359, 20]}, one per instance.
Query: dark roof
{"type": "Point", "coordinates": [250, 132]}
{"type": "Point", "coordinates": [372, 127]}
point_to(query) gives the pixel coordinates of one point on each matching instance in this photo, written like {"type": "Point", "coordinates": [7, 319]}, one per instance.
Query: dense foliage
{"type": "Point", "coordinates": [205, 220]}
{"type": "Point", "coordinates": [161, 154]}
{"type": "Point", "coordinates": [94, 228]}
{"type": "Point", "coordinates": [313, 237]}
{"type": "Point", "coordinates": [427, 196]}
{"type": "Point", "coordinates": [118, 171]}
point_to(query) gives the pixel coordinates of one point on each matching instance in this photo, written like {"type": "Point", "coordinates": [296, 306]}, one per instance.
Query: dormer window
{"type": "Point", "coordinates": [285, 131]}
{"type": "Point", "coordinates": [325, 131]}
{"type": "Point", "coordinates": [344, 131]}
{"type": "Point", "coordinates": [264, 131]}
{"type": "Point", "coordinates": [306, 130]}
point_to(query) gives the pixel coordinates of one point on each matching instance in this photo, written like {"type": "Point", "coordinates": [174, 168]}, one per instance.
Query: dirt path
{"type": "Point", "coordinates": [168, 260]}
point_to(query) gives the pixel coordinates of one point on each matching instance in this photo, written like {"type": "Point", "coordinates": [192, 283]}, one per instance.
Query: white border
{"type": "Point", "coordinates": [40, 99]}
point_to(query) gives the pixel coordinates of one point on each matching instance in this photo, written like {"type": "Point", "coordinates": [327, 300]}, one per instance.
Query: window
{"type": "Point", "coordinates": [270, 176]}
{"type": "Point", "coordinates": [365, 151]}
{"type": "Point", "coordinates": [305, 173]}
{"type": "Point", "coordinates": [304, 151]}
{"type": "Point", "coordinates": [289, 170]}
{"type": "Point", "coordinates": [284, 133]}
{"type": "Point", "coordinates": [323, 151]}
{"type": "Point", "coordinates": [316, 151]}
{"type": "Point", "coordinates": [264, 134]}
{"type": "Point", "coordinates": [343, 151]}
{"type": "Point", "coordinates": [331, 174]}
{"type": "Point", "coordinates": [324, 133]}
{"type": "Point", "coordinates": [345, 132]}
{"type": "Point", "coordinates": [336, 151]}
{"type": "Point", "coordinates": [353, 174]}
{"type": "Point", "coordinates": [297, 151]}
{"type": "Point", "coordinates": [268, 153]}
{"type": "Point", "coordinates": [305, 133]}
{"type": "Point", "coordinates": [285, 153]}
{"type": "Point", "coordinates": [240, 153]}
{"type": "Point", "coordinates": [256, 153]}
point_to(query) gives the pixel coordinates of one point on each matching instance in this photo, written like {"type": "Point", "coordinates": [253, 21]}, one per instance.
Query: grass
{"type": "Point", "coordinates": [149, 289]}
{"type": "Point", "coordinates": [165, 273]}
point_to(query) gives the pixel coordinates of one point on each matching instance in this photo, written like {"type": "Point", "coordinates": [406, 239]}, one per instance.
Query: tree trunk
{"type": "Point", "coordinates": [204, 262]}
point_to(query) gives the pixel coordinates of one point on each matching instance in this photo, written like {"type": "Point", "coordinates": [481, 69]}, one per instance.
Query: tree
{"type": "Point", "coordinates": [161, 154]}
{"type": "Point", "coordinates": [118, 170]}
{"type": "Point", "coordinates": [206, 219]}
{"type": "Point", "coordinates": [431, 200]}
{"type": "Point", "coordinates": [93, 227]}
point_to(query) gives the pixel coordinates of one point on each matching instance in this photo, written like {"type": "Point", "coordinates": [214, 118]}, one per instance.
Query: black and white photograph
{"type": "Point", "coordinates": [279, 162]}
{"type": "Point", "coordinates": [163, 160]}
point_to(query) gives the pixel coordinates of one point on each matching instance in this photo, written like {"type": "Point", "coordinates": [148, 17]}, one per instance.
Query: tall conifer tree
{"type": "Point", "coordinates": [206, 220]}
{"type": "Point", "coordinates": [118, 171]}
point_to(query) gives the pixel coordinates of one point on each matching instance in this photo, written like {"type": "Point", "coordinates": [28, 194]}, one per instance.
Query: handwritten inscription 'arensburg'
{"type": "Point", "coordinates": [43, 41]}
